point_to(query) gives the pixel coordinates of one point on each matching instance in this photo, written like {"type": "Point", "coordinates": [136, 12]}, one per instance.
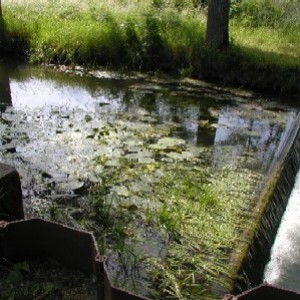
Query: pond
{"type": "Point", "coordinates": [164, 172]}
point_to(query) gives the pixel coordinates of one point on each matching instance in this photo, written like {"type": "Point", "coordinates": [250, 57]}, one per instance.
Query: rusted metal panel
{"type": "Point", "coordinates": [27, 239]}
{"type": "Point", "coordinates": [265, 292]}
{"type": "Point", "coordinates": [118, 294]}
{"type": "Point", "coordinates": [75, 249]}
{"type": "Point", "coordinates": [33, 238]}
{"type": "Point", "coordinates": [23, 240]}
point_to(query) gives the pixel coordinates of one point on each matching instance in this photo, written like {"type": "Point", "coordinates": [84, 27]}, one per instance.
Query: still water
{"type": "Point", "coordinates": [63, 129]}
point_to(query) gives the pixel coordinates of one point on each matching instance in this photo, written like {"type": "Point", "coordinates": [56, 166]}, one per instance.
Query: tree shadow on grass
{"type": "Point", "coordinates": [253, 68]}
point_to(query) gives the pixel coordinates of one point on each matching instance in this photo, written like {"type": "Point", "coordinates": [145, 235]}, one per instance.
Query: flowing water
{"type": "Point", "coordinates": [65, 130]}
{"type": "Point", "coordinates": [283, 269]}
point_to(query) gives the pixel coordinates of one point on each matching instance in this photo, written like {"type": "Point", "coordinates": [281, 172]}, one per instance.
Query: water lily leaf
{"type": "Point", "coordinates": [73, 185]}
{"type": "Point", "coordinates": [134, 149]}
{"type": "Point", "coordinates": [185, 155]}
{"type": "Point", "coordinates": [98, 169]}
{"type": "Point", "coordinates": [148, 119]}
{"type": "Point", "coordinates": [130, 208]}
{"type": "Point", "coordinates": [142, 112]}
{"type": "Point", "coordinates": [167, 143]}
{"type": "Point", "coordinates": [146, 160]}
{"type": "Point", "coordinates": [104, 150]}
{"type": "Point", "coordinates": [136, 187]}
{"type": "Point", "coordinates": [113, 163]}
{"type": "Point", "coordinates": [121, 191]}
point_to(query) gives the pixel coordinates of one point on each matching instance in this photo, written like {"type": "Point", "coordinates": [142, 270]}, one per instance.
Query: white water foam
{"type": "Point", "coordinates": [283, 269]}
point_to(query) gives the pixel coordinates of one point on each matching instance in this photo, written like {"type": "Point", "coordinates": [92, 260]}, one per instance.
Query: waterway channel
{"type": "Point", "coordinates": [141, 137]}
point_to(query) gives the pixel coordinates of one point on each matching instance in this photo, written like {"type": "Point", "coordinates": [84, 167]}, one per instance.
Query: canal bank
{"type": "Point", "coordinates": [157, 37]}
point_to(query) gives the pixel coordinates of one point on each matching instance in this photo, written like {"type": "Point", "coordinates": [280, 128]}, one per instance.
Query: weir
{"type": "Point", "coordinates": [271, 206]}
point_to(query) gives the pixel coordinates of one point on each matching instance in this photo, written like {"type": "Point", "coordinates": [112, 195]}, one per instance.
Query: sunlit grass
{"type": "Point", "coordinates": [114, 33]}
{"type": "Point", "coordinates": [117, 32]}
{"type": "Point", "coordinates": [274, 46]}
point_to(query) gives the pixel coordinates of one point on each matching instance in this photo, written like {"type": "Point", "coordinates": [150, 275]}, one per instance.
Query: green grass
{"type": "Point", "coordinates": [153, 35]}
{"type": "Point", "coordinates": [102, 34]}
{"type": "Point", "coordinates": [198, 213]}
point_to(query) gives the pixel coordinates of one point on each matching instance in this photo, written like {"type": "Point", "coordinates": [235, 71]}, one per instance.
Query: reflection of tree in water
{"type": "Point", "coordinates": [5, 95]}
{"type": "Point", "coordinates": [193, 117]}
{"type": "Point", "coordinates": [258, 140]}
{"type": "Point", "coordinates": [5, 100]}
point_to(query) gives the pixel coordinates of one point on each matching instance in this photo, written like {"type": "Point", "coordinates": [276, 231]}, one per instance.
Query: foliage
{"type": "Point", "coordinates": [158, 36]}
{"type": "Point", "coordinates": [274, 14]}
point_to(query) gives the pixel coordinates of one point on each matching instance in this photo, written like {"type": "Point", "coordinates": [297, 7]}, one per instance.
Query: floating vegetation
{"type": "Point", "coordinates": [166, 178]}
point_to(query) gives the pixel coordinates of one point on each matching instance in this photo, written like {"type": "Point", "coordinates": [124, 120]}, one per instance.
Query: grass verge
{"type": "Point", "coordinates": [152, 35]}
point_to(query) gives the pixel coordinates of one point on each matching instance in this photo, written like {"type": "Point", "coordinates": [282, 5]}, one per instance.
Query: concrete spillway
{"type": "Point", "coordinates": [283, 268]}
{"type": "Point", "coordinates": [273, 201]}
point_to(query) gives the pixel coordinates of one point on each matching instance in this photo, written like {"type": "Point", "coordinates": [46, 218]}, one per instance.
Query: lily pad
{"type": "Point", "coordinates": [185, 155]}
{"type": "Point", "coordinates": [73, 185]}
{"type": "Point", "coordinates": [168, 143]}
{"type": "Point", "coordinates": [137, 187]}
{"type": "Point", "coordinates": [146, 160]}
{"type": "Point", "coordinates": [121, 191]}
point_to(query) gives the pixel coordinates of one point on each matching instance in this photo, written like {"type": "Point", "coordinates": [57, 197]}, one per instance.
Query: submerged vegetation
{"type": "Point", "coordinates": [160, 35]}
{"type": "Point", "coordinates": [167, 214]}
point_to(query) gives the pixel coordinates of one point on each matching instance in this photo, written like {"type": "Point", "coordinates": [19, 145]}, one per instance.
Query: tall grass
{"type": "Point", "coordinates": [159, 35]}
{"type": "Point", "coordinates": [269, 26]}
{"type": "Point", "coordinates": [131, 34]}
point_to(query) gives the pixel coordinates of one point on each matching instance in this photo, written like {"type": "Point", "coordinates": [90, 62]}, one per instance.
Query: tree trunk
{"type": "Point", "coordinates": [217, 36]}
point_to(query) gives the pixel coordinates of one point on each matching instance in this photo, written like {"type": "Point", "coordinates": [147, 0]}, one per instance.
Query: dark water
{"type": "Point", "coordinates": [49, 120]}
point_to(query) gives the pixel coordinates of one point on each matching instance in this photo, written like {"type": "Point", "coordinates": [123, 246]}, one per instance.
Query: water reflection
{"type": "Point", "coordinates": [5, 94]}
{"type": "Point", "coordinates": [234, 127]}
{"type": "Point", "coordinates": [258, 140]}
{"type": "Point", "coordinates": [65, 128]}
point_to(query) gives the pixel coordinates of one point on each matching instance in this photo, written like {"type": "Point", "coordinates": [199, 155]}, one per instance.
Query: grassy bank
{"type": "Point", "coordinates": [194, 212]}
{"type": "Point", "coordinates": [152, 35]}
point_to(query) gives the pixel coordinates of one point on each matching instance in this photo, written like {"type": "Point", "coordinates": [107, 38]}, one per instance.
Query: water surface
{"type": "Point", "coordinates": [65, 131]}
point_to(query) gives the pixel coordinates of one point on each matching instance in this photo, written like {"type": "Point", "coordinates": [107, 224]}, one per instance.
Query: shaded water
{"type": "Point", "coordinates": [64, 132]}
